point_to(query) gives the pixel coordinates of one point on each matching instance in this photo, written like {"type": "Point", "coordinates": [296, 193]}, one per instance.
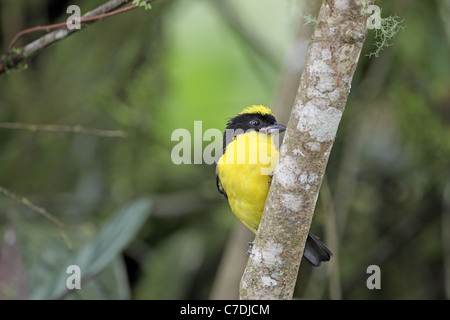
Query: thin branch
{"type": "Point", "coordinates": [62, 128]}
{"type": "Point", "coordinates": [64, 24]}
{"type": "Point", "coordinates": [13, 57]}
{"type": "Point", "coordinates": [32, 206]}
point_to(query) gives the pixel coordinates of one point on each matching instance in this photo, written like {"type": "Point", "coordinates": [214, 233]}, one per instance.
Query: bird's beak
{"type": "Point", "coordinates": [271, 129]}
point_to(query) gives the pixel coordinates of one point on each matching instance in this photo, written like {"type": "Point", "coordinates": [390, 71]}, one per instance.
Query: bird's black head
{"type": "Point", "coordinates": [258, 118]}
{"type": "Point", "coordinates": [250, 121]}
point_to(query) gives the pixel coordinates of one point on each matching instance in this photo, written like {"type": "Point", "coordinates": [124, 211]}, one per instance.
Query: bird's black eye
{"type": "Point", "coordinates": [255, 123]}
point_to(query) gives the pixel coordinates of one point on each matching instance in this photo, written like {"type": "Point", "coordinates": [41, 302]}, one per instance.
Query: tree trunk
{"type": "Point", "coordinates": [333, 54]}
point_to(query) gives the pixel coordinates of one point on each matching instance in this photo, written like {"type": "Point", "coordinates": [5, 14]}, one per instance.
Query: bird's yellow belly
{"type": "Point", "coordinates": [247, 184]}
{"type": "Point", "coordinates": [248, 195]}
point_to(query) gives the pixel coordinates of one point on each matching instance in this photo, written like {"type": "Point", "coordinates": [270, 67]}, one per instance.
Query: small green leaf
{"type": "Point", "coordinates": [142, 3]}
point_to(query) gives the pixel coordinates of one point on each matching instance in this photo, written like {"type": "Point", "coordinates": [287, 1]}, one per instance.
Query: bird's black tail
{"type": "Point", "coordinates": [316, 251]}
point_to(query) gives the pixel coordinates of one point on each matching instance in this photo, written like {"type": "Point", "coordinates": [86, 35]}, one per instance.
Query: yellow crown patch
{"type": "Point", "coordinates": [257, 109]}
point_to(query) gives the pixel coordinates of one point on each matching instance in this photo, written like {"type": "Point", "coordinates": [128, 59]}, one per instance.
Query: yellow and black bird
{"type": "Point", "coordinates": [244, 171]}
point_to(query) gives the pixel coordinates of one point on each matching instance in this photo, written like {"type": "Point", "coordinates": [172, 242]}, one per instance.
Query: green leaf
{"type": "Point", "coordinates": [142, 3]}
{"type": "Point", "coordinates": [112, 238]}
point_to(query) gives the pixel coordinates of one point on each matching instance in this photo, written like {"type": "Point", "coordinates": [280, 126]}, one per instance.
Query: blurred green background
{"type": "Point", "coordinates": [141, 227]}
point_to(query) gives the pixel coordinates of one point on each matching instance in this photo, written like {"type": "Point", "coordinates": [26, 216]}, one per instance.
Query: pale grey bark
{"type": "Point", "coordinates": [336, 44]}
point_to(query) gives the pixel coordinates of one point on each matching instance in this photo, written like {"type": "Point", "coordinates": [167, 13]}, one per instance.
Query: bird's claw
{"type": "Point", "coordinates": [250, 247]}
{"type": "Point", "coordinates": [270, 176]}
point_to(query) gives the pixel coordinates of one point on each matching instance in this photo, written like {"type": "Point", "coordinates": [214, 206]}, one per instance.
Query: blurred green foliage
{"type": "Point", "coordinates": [148, 72]}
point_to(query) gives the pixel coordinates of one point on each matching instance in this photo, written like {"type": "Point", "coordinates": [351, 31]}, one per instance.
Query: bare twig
{"type": "Point", "coordinates": [62, 128]}
{"type": "Point", "coordinates": [14, 57]}
{"type": "Point", "coordinates": [32, 206]}
{"type": "Point", "coordinates": [63, 24]}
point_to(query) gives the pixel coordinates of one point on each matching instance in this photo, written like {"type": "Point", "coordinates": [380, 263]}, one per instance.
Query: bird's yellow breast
{"type": "Point", "coordinates": [243, 171]}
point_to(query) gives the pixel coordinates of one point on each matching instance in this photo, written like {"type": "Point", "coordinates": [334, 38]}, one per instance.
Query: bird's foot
{"type": "Point", "coordinates": [270, 176]}
{"type": "Point", "coordinates": [250, 247]}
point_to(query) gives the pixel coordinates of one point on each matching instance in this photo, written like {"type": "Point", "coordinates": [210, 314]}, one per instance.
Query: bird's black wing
{"type": "Point", "coordinates": [219, 185]}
